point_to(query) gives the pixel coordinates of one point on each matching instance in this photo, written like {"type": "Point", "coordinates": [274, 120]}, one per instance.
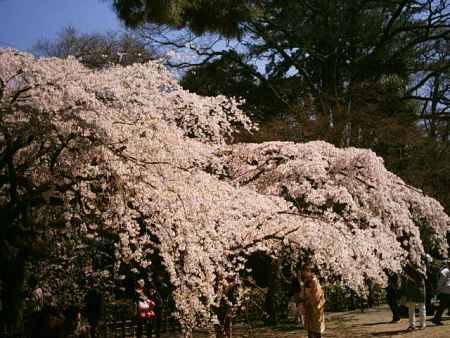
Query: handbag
{"type": "Point", "coordinates": [435, 301]}
{"type": "Point", "coordinates": [145, 308]}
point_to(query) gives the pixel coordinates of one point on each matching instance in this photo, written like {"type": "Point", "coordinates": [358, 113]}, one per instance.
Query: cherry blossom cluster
{"type": "Point", "coordinates": [370, 218]}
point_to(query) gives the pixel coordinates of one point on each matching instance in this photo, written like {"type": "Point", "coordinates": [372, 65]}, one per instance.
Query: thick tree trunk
{"type": "Point", "coordinates": [13, 293]}
{"type": "Point", "coordinates": [275, 298]}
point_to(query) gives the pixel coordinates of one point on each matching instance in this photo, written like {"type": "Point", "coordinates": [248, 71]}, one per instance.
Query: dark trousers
{"type": "Point", "coordinates": [444, 303]}
{"type": "Point", "coordinates": [93, 325]}
{"type": "Point", "coordinates": [93, 330]}
{"type": "Point", "coordinates": [146, 323]}
{"type": "Point", "coordinates": [312, 334]}
{"type": "Point", "coordinates": [393, 304]}
{"type": "Point", "coordinates": [157, 321]}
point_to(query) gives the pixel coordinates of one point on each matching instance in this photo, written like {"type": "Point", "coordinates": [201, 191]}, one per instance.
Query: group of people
{"type": "Point", "coordinates": [149, 310]}
{"type": "Point", "coordinates": [47, 320]}
{"type": "Point", "coordinates": [410, 290]}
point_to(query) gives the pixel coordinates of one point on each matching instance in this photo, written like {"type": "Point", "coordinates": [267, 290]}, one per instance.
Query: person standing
{"type": "Point", "coordinates": [73, 327]}
{"type": "Point", "coordinates": [35, 305]}
{"type": "Point", "coordinates": [36, 297]}
{"type": "Point", "coordinates": [392, 293]}
{"type": "Point", "coordinates": [314, 301]}
{"type": "Point", "coordinates": [95, 307]}
{"type": "Point", "coordinates": [413, 292]}
{"type": "Point", "coordinates": [298, 290]}
{"type": "Point", "coordinates": [443, 290]}
{"type": "Point", "coordinates": [145, 310]}
{"type": "Point", "coordinates": [161, 295]}
{"type": "Point", "coordinates": [226, 310]}
{"type": "Point", "coordinates": [370, 294]}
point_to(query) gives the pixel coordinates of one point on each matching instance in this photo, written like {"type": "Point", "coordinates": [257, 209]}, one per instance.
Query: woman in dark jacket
{"type": "Point", "coordinates": [413, 295]}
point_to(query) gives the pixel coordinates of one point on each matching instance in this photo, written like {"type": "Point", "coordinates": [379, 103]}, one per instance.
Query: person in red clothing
{"type": "Point", "coordinates": [145, 310]}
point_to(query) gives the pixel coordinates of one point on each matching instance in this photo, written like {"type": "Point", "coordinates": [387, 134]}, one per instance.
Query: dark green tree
{"type": "Point", "coordinates": [333, 48]}
{"type": "Point", "coordinates": [222, 16]}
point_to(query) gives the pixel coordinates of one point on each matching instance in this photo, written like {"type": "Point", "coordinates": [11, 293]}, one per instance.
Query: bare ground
{"type": "Point", "coordinates": [372, 323]}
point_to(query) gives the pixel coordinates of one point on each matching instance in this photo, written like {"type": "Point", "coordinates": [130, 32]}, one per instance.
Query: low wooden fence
{"type": "Point", "coordinates": [128, 328]}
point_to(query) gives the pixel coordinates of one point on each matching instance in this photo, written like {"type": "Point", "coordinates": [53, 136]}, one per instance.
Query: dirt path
{"type": "Point", "coordinates": [376, 323]}
{"type": "Point", "coordinates": [372, 323]}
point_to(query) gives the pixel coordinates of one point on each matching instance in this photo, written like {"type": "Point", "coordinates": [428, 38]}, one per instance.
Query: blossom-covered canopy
{"type": "Point", "coordinates": [127, 151]}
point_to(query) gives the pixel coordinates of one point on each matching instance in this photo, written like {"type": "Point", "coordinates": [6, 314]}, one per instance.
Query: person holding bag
{"type": "Point", "coordinates": [145, 310]}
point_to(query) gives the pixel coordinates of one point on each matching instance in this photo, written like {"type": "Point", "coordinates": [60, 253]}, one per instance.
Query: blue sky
{"type": "Point", "coordinates": [23, 22]}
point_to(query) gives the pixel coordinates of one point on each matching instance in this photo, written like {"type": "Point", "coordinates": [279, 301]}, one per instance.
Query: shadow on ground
{"type": "Point", "coordinates": [372, 323]}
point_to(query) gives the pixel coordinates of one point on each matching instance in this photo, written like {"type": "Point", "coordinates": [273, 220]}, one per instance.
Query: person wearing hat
{"type": "Point", "coordinates": [443, 290]}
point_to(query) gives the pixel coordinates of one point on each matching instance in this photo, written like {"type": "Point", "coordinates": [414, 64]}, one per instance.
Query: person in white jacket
{"type": "Point", "coordinates": [443, 293]}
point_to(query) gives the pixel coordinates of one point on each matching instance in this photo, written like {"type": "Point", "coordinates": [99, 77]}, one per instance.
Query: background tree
{"type": "Point", "coordinates": [96, 50]}
{"type": "Point", "coordinates": [429, 162]}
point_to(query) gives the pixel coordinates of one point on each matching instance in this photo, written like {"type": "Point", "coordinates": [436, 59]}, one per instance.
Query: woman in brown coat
{"type": "Point", "coordinates": [314, 301]}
